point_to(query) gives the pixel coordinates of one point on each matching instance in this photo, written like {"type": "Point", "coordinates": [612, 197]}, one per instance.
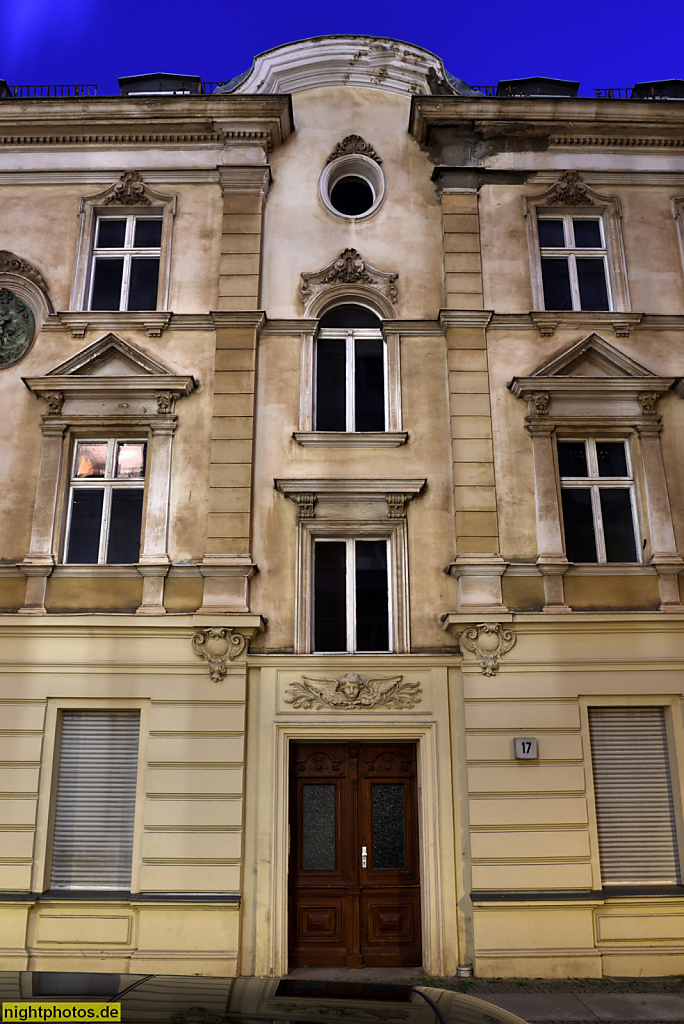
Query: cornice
{"type": "Point", "coordinates": [90, 178]}
{"type": "Point", "coordinates": [244, 179]}
{"type": "Point", "coordinates": [622, 324]}
{"type": "Point", "coordinates": [238, 318]}
{"type": "Point", "coordinates": [159, 121]}
{"type": "Point", "coordinates": [465, 317]}
{"type": "Point", "coordinates": [631, 123]}
{"type": "Point", "coordinates": [289, 327]}
{"type": "Point", "coordinates": [418, 328]}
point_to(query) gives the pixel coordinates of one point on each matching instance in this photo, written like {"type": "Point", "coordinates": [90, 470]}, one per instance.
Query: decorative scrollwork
{"type": "Point", "coordinates": [129, 191]}
{"type": "Point", "coordinates": [351, 693]}
{"type": "Point", "coordinates": [217, 647]}
{"type": "Point", "coordinates": [570, 190]}
{"type": "Point", "coordinates": [352, 145]}
{"type": "Point", "coordinates": [488, 641]}
{"type": "Point", "coordinates": [349, 268]}
{"type": "Point", "coordinates": [17, 328]}
{"type": "Point", "coordinates": [10, 263]}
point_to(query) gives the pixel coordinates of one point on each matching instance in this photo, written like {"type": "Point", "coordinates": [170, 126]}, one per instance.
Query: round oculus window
{"type": "Point", "coordinates": [352, 187]}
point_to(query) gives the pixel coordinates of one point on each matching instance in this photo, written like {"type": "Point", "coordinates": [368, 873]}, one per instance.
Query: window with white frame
{"type": "Point", "coordinates": [574, 262]}
{"type": "Point", "coordinates": [635, 812]}
{"type": "Point", "coordinates": [351, 597]}
{"type": "Point", "coordinates": [598, 501]}
{"type": "Point", "coordinates": [125, 262]}
{"type": "Point", "coordinates": [350, 372]}
{"type": "Point", "coordinates": [92, 836]}
{"type": "Point", "coordinates": [106, 502]}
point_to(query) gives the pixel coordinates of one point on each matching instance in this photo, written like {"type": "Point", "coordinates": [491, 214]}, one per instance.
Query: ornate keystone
{"type": "Point", "coordinates": [351, 693]}
{"type": "Point", "coordinates": [352, 145]}
{"type": "Point", "coordinates": [488, 641]}
{"type": "Point", "coordinates": [218, 646]}
{"type": "Point", "coordinates": [570, 190]}
{"type": "Point", "coordinates": [129, 191]}
{"type": "Point", "coordinates": [349, 268]}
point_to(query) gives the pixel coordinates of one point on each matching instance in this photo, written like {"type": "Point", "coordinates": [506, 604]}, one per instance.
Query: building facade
{"type": "Point", "coordinates": [342, 524]}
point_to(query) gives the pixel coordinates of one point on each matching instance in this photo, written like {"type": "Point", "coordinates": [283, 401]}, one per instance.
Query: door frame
{"type": "Point", "coordinates": [428, 824]}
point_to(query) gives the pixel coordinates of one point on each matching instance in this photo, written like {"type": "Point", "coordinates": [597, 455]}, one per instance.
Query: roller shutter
{"type": "Point", "coordinates": [95, 806]}
{"type": "Point", "coordinates": [633, 789]}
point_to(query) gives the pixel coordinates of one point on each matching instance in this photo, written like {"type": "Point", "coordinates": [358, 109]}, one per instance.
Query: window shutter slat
{"type": "Point", "coordinates": [634, 802]}
{"type": "Point", "coordinates": [95, 806]}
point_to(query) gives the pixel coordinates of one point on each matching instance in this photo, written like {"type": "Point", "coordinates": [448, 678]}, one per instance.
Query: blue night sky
{"type": "Point", "coordinates": [601, 43]}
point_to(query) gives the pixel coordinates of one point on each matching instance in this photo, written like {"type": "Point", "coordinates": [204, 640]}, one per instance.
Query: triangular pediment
{"type": "Point", "coordinates": [591, 357]}
{"type": "Point", "coordinates": [110, 357]}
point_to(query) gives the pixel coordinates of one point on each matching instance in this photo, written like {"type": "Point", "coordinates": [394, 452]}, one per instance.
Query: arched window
{"type": "Point", "coordinates": [350, 372]}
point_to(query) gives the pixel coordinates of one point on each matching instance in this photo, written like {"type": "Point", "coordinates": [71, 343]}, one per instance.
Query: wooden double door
{"type": "Point", "coordinates": [354, 885]}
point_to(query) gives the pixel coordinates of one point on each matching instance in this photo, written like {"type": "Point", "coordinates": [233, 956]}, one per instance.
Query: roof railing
{"type": "Point", "coordinates": [32, 91]}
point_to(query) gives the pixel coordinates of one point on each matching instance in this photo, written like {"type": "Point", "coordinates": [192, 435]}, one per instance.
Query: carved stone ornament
{"type": "Point", "coordinates": [647, 402]}
{"type": "Point", "coordinates": [569, 190]}
{"type": "Point", "coordinates": [55, 401]}
{"type": "Point", "coordinates": [351, 145]}
{"type": "Point", "coordinates": [129, 191]}
{"type": "Point", "coordinates": [541, 403]}
{"type": "Point", "coordinates": [351, 693]}
{"type": "Point", "coordinates": [396, 505]}
{"type": "Point", "coordinates": [488, 641]}
{"type": "Point", "coordinates": [306, 506]}
{"type": "Point", "coordinates": [218, 646]}
{"type": "Point", "coordinates": [13, 264]}
{"type": "Point", "coordinates": [17, 328]}
{"type": "Point", "coordinates": [350, 268]}
{"type": "Point", "coordinates": [166, 402]}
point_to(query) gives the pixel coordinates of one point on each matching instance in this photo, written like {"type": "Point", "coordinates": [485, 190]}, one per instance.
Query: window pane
{"type": "Point", "coordinates": [578, 522]}
{"type": "Point", "coordinates": [612, 458]}
{"type": "Point", "coordinates": [372, 606]}
{"type": "Point", "coordinates": [124, 526]}
{"type": "Point", "coordinates": [111, 234]}
{"type": "Point", "coordinates": [142, 291]}
{"type": "Point", "coordinates": [389, 828]}
{"type": "Point", "coordinates": [370, 384]}
{"type": "Point", "coordinates": [572, 458]}
{"type": "Point", "coordinates": [330, 596]}
{"type": "Point", "coordinates": [147, 233]}
{"type": "Point", "coordinates": [587, 234]}
{"type": "Point", "coordinates": [318, 827]}
{"type": "Point", "coordinates": [331, 385]}
{"type": "Point", "coordinates": [86, 521]}
{"type": "Point", "coordinates": [107, 276]}
{"type": "Point", "coordinates": [349, 316]}
{"type": "Point", "coordinates": [91, 458]}
{"type": "Point", "coordinates": [130, 459]}
{"type": "Point", "coordinates": [556, 281]}
{"type": "Point", "coordinates": [618, 525]}
{"type": "Point", "coordinates": [551, 233]}
{"type": "Point", "coordinates": [591, 277]}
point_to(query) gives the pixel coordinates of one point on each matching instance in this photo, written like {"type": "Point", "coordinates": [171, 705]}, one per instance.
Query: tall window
{"type": "Point", "coordinates": [106, 502]}
{"type": "Point", "coordinates": [634, 801]}
{"type": "Point", "coordinates": [597, 491]}
{"type": "Point", "coordinates": [350, 372]}
{"type": "Point", "coordinates": [94, 810]}
{"type": "Point", "coordinates": [351, 595]}
{"type": "Point", "coordinates": [573, 262]}
{"type": "Point", "coordinates": [126, 254]}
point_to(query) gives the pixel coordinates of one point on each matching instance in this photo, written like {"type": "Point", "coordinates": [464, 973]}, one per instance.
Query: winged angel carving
{"type": "Point", "coordinates": [352, 693]}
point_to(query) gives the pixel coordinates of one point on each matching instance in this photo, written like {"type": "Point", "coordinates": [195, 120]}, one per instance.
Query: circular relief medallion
{"type": "Point", "coordinates": [17, 328]}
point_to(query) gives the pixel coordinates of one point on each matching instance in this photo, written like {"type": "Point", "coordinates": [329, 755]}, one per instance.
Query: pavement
{"type": "Point", "coordinates": [575, 1001]}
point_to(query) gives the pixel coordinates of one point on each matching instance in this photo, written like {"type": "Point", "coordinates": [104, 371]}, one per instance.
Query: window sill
{"type": "Point", "coordinates": [622, 323]}
{"type": "Point", "coordinates": [350, 439]}
{"type": "Point", "coordinates": [610, 569]}
{"type": "Point", "coordinates": [74, 571]}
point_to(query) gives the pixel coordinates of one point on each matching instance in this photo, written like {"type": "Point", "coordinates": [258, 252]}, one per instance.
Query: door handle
{"type": "Point", "coordinates": [364, 856]}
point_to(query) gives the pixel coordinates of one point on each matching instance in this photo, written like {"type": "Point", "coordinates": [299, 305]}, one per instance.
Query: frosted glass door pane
{"type": "Point", "coordinates": [389, 829]}
{"type": "Point", "coordinates": [318, 827]}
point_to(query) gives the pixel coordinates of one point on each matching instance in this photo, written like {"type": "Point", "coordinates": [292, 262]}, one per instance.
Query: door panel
{"type": "Point", "coordinates": [354, 881]}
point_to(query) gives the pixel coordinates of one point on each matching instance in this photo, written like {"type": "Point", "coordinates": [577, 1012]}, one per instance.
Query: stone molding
{"type": "Point", "coordinates": [10, 263]}
{"type": "Point", "coordinates": [348, 271]}
{"type": "Point", "coordinates": [353, 145]}
{"type": "Point", "coordinates": [350, 439]}
{"type": "Point", "coordinates": [351, 693]}
{"type": "Point", "coordinates": [244, 180]}
{"type": "Point", "coordinates": [488, 641]}
{"type": "Point", "coordinates": [394, 494]}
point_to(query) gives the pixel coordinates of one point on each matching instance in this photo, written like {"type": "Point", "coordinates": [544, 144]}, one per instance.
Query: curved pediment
{"type": "Point", "coordinates": [348, 60]}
